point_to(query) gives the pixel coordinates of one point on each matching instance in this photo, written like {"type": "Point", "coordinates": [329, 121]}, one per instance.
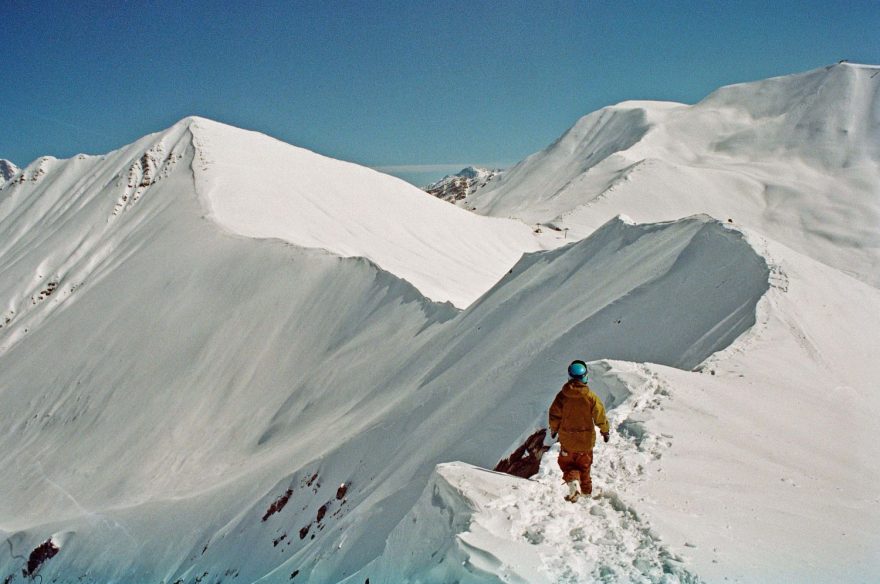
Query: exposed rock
{"type": "Point", "coordinates": [278, 504]}
{"type": "Point", "coordinates": [40, 555]}
{"type": "Point", "coordinates": [7, 170]}
{"type": "Point", "coordinates": [456, 187]}
{"type": "Point", "coordinates": [526, 459]}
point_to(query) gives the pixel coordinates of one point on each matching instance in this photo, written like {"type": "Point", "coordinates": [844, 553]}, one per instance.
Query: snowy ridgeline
{"type": "Point", "coordinates": [482, 526]}
{"type": "Point", "coordinates": [259, 187]}
{"type": "Point", "coordinates": [247, 404]}
{"type": "Point", "coordinates": [795, 158]}
{"type": "Point", "coordinates": [210, 401]}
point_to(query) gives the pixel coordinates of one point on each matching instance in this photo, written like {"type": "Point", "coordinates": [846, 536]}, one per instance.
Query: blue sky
{"type": "Point", "coordinates": [417, 88]}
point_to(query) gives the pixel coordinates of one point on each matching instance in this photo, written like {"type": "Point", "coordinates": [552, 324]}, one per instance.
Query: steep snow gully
{"type": "Point", "coordinates": [189, 405]}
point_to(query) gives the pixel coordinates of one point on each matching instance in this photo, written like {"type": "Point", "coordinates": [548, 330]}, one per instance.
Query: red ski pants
{"type": "Point", "coordinates": [576, 466]}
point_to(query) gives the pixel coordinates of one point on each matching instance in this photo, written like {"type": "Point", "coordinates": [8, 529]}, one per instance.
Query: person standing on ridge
{"type": "Point", "coordinates": [574, 415]}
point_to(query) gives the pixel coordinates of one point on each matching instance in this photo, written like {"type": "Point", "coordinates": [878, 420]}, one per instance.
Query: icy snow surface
{"type": "Point", "coordinates": [218, 362]}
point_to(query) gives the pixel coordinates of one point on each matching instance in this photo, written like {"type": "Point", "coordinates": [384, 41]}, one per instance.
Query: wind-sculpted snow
{"type": "Point", "coordinates": [256, 186]}
{"type": "Point", "coordinates": [157, 413]}
{"type": "Point", "coordinates": [796, 158]}
{"type": "Point", "coordinates": [184, 399]}
{"type": "Point", "coordinates": [483, 527]}
{"type": "Point", "coordinates": [540, 182]}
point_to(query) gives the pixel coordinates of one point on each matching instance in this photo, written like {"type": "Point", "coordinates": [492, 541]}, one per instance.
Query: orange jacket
{"type": "Point", "coordinates": [575, 413]}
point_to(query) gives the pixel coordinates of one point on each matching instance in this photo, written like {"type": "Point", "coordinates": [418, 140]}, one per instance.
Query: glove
{"type": "Point", "coordinates": [605, 436]}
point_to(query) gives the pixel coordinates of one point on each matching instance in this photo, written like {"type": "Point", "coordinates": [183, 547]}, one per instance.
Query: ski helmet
{"type": "Point", "coordinates": [578, 370]}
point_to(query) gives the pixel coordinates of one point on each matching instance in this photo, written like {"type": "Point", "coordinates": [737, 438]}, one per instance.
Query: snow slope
{"type": "Point", "coordinates": [260, 187]}
{"type": "Point", "coordinates": [202, 378]}
{"type": "Point", "coordinates": [796, 158]}
{"type": "Point", "coordinates": [759, 466]}
{"type": "Point", "coordinates": [150, 358]}
{"type": "Point", "coordinates": [794, 464]}
{"type": "Point", "coordinates": [182, 402]}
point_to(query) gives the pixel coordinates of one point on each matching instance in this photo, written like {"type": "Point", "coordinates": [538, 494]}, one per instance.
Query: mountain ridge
{"type": "Point", "coordinates": [455, 187]}
{"type": "Point", "coordinates": [189, 392]}
{"type": "Point", "coordinates": [315, 201]}
{"type": "Point", "coordinates": [266, 385]}
{"type": "Point", "coordinates": [769, 154]}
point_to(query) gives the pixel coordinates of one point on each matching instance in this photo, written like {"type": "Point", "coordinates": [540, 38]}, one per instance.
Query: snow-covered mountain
{"type": "Point", "coordinates": [456, 187]}
{"type": "Point", "coordinates": [227, 359]}
{"type": "Point", "coordinates": [265, 188]}
{"type": "Point", "coordinates": [794, 157]}
{"type": "Point", "coordinates": [7, 170]}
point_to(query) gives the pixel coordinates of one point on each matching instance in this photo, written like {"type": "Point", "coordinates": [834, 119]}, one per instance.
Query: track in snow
{"type": "Point", "coordinates": [601, 538]}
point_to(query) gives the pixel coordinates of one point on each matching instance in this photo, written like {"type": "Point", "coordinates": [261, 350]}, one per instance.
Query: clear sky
{"type": "Point", "coordinates": [417, 88]}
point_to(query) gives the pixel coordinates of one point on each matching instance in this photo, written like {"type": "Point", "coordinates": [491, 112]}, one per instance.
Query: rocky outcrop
{"type": "Point", "coordinates": [456, 187]}
{"type": "Point", "coordinates": [7, 170]}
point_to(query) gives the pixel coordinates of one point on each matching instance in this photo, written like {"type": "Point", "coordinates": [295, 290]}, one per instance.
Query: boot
{"type": "Point", "coordinates": [574, 491]}
{"type": "Point", "coordinates": [586, 487]}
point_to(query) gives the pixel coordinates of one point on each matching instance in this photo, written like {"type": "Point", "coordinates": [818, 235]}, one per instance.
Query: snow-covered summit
{"type": "Point", "coordinates": [258, 186]}
{"type": "Point", "coordinates": [7, 170]}
{"type": "Point", "coordinates": [796, 157]}
{"type": "Point", "coordinates": [477, 172]}
{"type": "Point", "coordinates": [527, 190]}
{"type": "Point", "coordinates": [826, 117]}
{"type": "Point", "coordinates": [455, 187]}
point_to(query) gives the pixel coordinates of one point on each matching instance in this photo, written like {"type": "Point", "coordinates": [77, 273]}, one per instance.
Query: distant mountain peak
{"type": "Point", "coordinates": [467, 181]}
{"type": "Point", "coordinates": [475, 172]}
